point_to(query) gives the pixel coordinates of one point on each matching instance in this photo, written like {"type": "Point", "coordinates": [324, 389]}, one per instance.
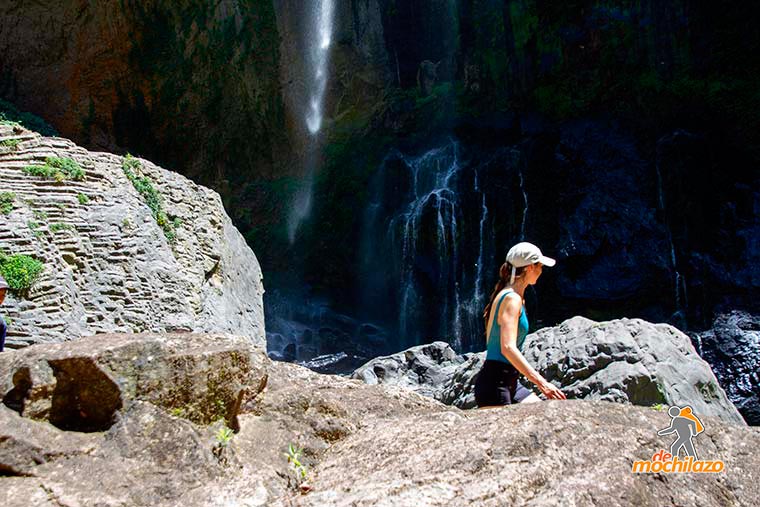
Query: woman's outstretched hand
{"type": "Point", "coordinates": [551, 391]}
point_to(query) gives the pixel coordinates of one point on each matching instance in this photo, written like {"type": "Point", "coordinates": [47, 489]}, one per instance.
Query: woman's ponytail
{"type": "Point", "coordinates": [505, 272]}
{"type": "Point", "coordinates": [507, 275]}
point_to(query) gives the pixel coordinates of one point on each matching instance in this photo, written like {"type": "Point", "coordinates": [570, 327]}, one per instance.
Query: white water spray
{"type": "Point", "coordinates": [320, 48]}
{"type": "Point", "coordinates": [318, 40]}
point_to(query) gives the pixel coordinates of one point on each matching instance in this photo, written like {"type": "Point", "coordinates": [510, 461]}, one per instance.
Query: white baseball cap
{"type": "Point", "coordinates": [524, 254]}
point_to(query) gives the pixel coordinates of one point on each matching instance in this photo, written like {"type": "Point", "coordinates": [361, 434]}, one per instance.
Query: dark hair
{"type": "Point", "coordinates": [505, 271]}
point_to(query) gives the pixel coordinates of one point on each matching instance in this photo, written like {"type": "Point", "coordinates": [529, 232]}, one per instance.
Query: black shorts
{"type": "Point", "coordinates": [497, 384]}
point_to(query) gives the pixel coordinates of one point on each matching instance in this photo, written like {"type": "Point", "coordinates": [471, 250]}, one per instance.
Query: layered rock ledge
{"type": "Point", "coordinates": [109, 265]}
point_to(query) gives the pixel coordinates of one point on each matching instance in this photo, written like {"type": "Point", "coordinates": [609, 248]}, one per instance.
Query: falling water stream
{"type": "Point", "coordinates": [319, 40]}
{"type": "Point", "coordinates": [679, 282]}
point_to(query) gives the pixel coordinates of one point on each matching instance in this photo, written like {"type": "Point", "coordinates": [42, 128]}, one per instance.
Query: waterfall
{"type": "Point", "coordinates": [525, 201]}
{"type": "Point", "coordinates": [318, 42]}
{"type": "Point", "coordinates": [429, 215]}
{"type": "Point", "coordinates": [698, 338]}
{"type": "Point", "coordinates": [482, 231]}
{"type": "Point", "coordinates": [321, 40]}
{"type": "Point", "coordinates": [679, 282]}
{"type": "Point", "coordinates": [432, 192]}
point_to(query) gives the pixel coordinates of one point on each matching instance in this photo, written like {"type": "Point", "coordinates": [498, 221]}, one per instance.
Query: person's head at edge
{"type": "Point", "coordinates": [522, 267]}
{"type": "Point", "coordinates": [3, 289]}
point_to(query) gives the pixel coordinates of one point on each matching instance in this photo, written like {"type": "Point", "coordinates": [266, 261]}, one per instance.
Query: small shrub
{"type": "Point", "coordinates": [6, 202]}
{"type": "Point", "coordinates": [222, 450]}
{"type": "Point", "coordinates": [294, 459]}
{"type": "Point", "coordinates": [83, 199]}
{"type": "Point", "coordinates": [40, 215]}
{"type": "Point", "coordinates": [150, 195]}
{"type": "Point", "coordinates": [223, 436]}
{"type": "Point", "coordinates": [69, 167]}
{"type": "Point", "coordinates": [57, 168]}
{"type": "Point", "coordinates": [44, 171]}
{"type": "Point", "coordinates": [11, 143]}
{"type": "Point", "coordinates": [20, 271]}
{"type": "Point", "coordinates": [34, 227]}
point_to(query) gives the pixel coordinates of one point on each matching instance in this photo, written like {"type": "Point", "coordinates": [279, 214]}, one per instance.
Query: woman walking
{"type": "Point", "coordinates": [506, 329]}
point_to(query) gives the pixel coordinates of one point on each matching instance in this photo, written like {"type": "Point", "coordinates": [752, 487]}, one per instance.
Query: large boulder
{"type": "Point", "coordinates": [85, 385]}
{"type": "Point", "coordinates": [109, 265]}
{"type": "Point", "coordinates": [626, 360]}
{"type": "Point", "coordinates": [732, 347]}
{"type": "Point", "coordinates": [433, 370]}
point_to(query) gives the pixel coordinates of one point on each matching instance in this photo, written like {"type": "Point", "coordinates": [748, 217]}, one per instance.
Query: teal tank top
{"type": "Point", "coordinates": [493, 350]}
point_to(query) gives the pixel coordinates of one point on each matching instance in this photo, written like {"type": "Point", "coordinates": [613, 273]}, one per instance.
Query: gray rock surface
{"type": "Point", "coordinates": [361, 444]}
{"type": "Point", "coordinates": [626, 360]}
{"type": "Point", "coordinates": [108, 265]}
{"type": "Point", "coordinates": [156, 454]}
{"type": "Point", "coordinates": [86, 384]}
{"type": "Point", "coordinates": [544, 454]}
{"type": "Point", "coordinates": [425, 368]}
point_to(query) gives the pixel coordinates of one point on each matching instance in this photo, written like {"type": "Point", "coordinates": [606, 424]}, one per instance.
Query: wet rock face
{"type": "Point", "coordinates": [625, 361]}
{"type": "Point", "coordinates": [109, 265]}
{"type": "Point", "coordinates": [732, 346]}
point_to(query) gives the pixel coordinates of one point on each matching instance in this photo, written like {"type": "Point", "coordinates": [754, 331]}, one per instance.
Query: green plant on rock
{"type": "Point", "coordinates": [69, 167]}
{"type": "Point", "coordinates": [144, 186]}
{"type": "Point", "coordinates": [222, 450]}
{"type": "Point", "coordinates": [224, 436]}
{"type": "Point", "coordinates": [20, 271]}
{"type": "Point", "coordinates": [12, 144]}
{"type": "Point", "coordinates": [35, 228]}
{"type": "Point", "coordinates": [56, 168]}
{"type": "Point", "coordinates": [6, 202]}
{"type": "Point", "coordinates": [83, 199]}
{"type": "Point", "coordinates": [294, 459]}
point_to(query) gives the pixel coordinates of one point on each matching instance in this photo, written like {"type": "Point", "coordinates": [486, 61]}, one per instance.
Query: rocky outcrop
{"type": "Point", "coordinates": [627, 361]}
{"type": "Point", "coordinates": [109, 265]}
{"type": "Point", "coordinates": [153, 78]}
{"type": "Point", "coordinates": [434, 370]}
{"type": "Point", "coordinates": [732, 347]}
{"type": "Point", "coordinates": [85, 385]}
{"type": "Point", "coordinates": [164, 443]}
{"type": "Point", "coordinates": [374, 445]}
{"type": "Point", "coordinates": [545, 454]}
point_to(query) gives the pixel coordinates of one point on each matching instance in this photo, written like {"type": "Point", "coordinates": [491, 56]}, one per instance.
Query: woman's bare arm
{"type": "Point", "coordinates": [508, 321]}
